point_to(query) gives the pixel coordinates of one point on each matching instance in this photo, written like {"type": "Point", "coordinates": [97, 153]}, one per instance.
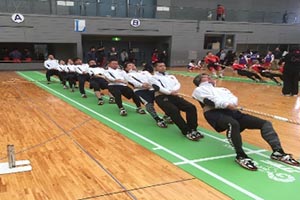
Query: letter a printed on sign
{"type": "Point", "coordinates": [17, 17]}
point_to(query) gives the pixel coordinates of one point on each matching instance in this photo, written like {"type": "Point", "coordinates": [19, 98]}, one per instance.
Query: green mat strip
{"type": "Point", "coordinates": [225, 78]}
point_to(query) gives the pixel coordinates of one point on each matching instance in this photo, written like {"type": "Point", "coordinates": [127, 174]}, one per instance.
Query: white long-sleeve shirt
{"type": "Point", "coordinates": [61, 68]}
{"type": "Point", "coordinates": [116, 74]}
{"type": "Point", "coordinates": [138, 78]}
{"type": "Point", "coordinates": [166, 83]}
{"type": "Point", "coordinates": [82, 69]}
{"type": "Point", "coordinates": [70, 68]}
{"type": "Point", "coordinates": [222, 97]}
{"type": "Point", "coordinates": [97, 71]}
{"type": "Point", "coordinates": [51, 64]}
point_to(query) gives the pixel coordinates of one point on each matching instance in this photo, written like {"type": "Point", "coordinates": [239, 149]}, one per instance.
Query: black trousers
{"type": "Point", "coordinates": [234, 122]}
{"type": "Point", "coordinates": [62, 77]}
{"type": "Point", "coordinates": [251, 75]}
{"type": "Point", "coordinates": [172, 105]}
{"type": "Point", "coordinates": [220, 16]}
{"type": "Point", "coordinates": [290, 82]}
{"type": "Point", "coordinates": [271, 76]}
{"type": "Point", "coordinates": [82, 78]}
{"type": "Point", "coordinates": [71, 77]}
{"type": "Point", "coordinates": [51, 72]}
{"type": "Point", "coordinates": [146, 96]}
{"type": "Point", "coordinates": [98, 83]}
{"type": "Point", "coordinates": [118, 90]}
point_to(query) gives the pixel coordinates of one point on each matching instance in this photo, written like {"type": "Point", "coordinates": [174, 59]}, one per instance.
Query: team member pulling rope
{"type": "Point", "coordinates": [220, 111]}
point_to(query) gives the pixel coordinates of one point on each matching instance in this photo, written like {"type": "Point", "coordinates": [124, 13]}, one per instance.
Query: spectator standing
{"type": "Point", "coordinates": [100, 55]}
{"type": "Point", "coordinates": [277, 56]}
{"type": "Point", "coordinates": [230, 56]}
{"type": "Point", "coordinates": [285, 17]}
{"type": "Point", "coordinates": [221, 54]}
{"type": "Point", "coordinates": [163, 57]}
{"type": "Point", "coordinates": [131, 56]}
{"type": "Point", "coordinates": [123, 57]}
{"type": "Point", "coordinates": [113, 54]}
{"type": "Point", "coordinates": [291, 73]}
{"type": "Point", "coordinates": [209, 15]}
{"type": "Point", "coordinates": [91, 55]}
{"type": "Point", "coordinates": [220, 12]}
{"type": "Point", "coordinates": [154, 56]}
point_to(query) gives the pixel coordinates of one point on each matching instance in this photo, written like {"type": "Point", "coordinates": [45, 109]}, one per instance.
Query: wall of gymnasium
{"type": "Point", "coordinates": [187, 36]}
{"type": "Point", "coordinates": [257, 5]}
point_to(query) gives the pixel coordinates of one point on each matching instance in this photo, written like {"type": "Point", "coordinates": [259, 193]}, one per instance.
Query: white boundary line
{"type": "Point", "coordinates": [216, 157]}
{"type": "Point", "coordinates": [227, 182]}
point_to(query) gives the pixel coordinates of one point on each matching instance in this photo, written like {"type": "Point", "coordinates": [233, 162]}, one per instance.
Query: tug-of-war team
{"type": "Point", "coordinates": [220, 106]}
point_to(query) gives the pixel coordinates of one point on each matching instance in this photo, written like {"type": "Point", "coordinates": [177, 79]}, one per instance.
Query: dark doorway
{"type": "Point", "coordinates": [141, 45]}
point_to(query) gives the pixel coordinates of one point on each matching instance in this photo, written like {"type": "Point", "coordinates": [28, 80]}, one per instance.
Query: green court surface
{"type": "Point", "coordinates": [210, 160]}
{"type": "Point", "coordinates": [226, 78]}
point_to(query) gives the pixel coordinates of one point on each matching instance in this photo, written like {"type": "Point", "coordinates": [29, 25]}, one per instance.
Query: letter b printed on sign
{"type": "Point", "coordinates": [135, 22]}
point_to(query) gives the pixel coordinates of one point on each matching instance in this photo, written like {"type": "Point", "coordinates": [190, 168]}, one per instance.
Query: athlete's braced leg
{"type": "Point", "coordinates": [233, 134]}
{"type": "Point", "coordinates": [270, 136]}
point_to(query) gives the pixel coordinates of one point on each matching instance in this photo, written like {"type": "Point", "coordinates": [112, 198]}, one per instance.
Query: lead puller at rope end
{"type": "Point", "coordinates": [220, 109]}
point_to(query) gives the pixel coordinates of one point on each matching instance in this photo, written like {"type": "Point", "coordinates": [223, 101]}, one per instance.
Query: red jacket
{"type": "Point", "coordinates": [211, 59]}
{"type": "Point", "coordinates": [154, 58]}
{"type": "Point", "coordinates": [236, 66]}
{"type": "Point", "coordinates": [220, 10]}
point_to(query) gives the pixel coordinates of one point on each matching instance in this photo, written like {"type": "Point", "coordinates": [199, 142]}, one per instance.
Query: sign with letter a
{"type": "Point", "coordinates": [79, 25]}
{"type": "Point", "coordinates": [17, 17]}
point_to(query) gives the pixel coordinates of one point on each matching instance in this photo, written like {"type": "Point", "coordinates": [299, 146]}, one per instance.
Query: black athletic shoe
{"type": "Point", "coordinates": [123, 112]}
{"type": "Point", "coordinates": [83, 96]}
{"type": "Point", "coordinates": [161, 123]}
{"type": "Point", "coordinates": [193, 136]}
{"type": "Point", "coordinates": [198, 134]}
{"type": "Point", "coordinates": [168, 119]}
{"type": "Point", "coordinates": [111, 100]}
{"type": "Point", "coordinates": [246, 163]}
{"type": "Point", "coordinates": [140, 111]}
{"type": "Point", "coordinates": [285, 158]}
{"type": "Point", "coordinates": [100, 101]}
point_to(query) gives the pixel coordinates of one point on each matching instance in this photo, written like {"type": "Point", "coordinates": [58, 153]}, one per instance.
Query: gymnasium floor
{"type": "Point", "coordinates": [209, 160]}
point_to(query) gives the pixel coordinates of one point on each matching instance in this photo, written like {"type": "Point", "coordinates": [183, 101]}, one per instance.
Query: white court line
{"type": "Point", "coordinates": [216, 157]}
{"type": "Point", "coordinates": [227, 182]}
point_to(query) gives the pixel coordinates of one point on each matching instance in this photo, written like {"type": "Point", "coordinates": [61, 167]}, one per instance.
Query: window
{"type": "Point", "coordinates": [218, 41]}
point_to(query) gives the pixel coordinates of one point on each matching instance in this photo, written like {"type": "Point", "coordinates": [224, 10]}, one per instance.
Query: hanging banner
{"type": "Point", "coordinates": [79, 25]}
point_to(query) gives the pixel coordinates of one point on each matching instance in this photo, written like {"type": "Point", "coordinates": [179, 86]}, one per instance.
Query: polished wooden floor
{"type": "Point", "coordinates": [76, 157]}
